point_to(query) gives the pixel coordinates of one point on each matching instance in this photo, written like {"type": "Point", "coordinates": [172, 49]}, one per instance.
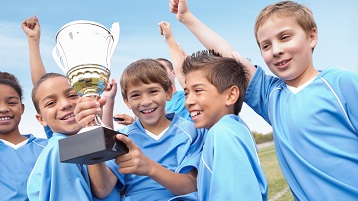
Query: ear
{"type": "Point", "coordinates": [233, 94]}
{"type": "Point", "coordinates": [126, 102]}
{"type": "Point", "coordinates": [41, 120]}
{"type": "Point", "coordinates": [169, 93]}
{"type": "Point", "coordinates": [22, 109]}
{"type": "Point", "coordinates": [313, 37]}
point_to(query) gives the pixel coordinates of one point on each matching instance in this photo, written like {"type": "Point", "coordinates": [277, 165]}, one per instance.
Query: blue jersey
{"type": "Point", "coordinates": [16, 166]}
{"type": "Point", "coordinates": [315, 132]}
{"type": "Point", "coordinates": [177, 105]}
{"type": "Point", "coordinates": [229, 167]}
{"type": "Point", "coordinates": [48, 132]}
{"type": "Point", "coordinates": [52, 180]}
{"type": "Point", "coordinates": [177, 150]}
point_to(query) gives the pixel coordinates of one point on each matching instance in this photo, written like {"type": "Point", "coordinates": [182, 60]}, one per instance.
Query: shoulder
{"type": "Point", "coordinates": [228, 127]}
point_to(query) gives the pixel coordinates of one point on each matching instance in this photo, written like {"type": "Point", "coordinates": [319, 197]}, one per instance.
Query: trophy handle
{"type": "Point", "coordinates": [115, 34]}
{"type": "Point", "coordinates": [58, 59]}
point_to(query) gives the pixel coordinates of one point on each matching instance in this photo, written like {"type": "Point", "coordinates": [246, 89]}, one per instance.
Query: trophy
{"type": "Point", "coordinates": [83, 51]}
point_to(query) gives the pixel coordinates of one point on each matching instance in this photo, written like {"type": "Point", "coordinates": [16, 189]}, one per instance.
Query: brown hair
{"type": "Point", "coordinates": [37, 85]}
{"type": "Point", "coordinates": [144, 71]}
{"type": "Point", "coordinates": [10, 80]}
{"type": "Point", "coordinates": [302, 14]}
{"type": "Point", "coordinates": [222, 72]}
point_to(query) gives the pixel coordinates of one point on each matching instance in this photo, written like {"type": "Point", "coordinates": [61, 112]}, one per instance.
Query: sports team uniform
{"type": "Point", "coordinates": [16, 165]}
{"type": "Point", "coordinates": [315, 131]}
{"type": "Point", "coordinates": [229, 168]}
{"type": "Point", "coordinates": [52, 180]}
{"type": "Point", "coordinates": [177, 105]}
{"type": "Point", "coordinates": [177, 149]}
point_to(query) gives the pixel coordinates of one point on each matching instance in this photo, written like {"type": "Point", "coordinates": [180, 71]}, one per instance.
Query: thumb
{"type": "Point", "coordinates": [126, 140]}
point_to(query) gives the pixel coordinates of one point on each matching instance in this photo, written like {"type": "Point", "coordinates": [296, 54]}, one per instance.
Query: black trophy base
{"type": "Point", "coordinates": [91, 146]}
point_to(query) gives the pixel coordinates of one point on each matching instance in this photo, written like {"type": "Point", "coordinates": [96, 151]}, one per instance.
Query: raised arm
{"type": "Point", "coordinates": [176, 53]}
{"type": "Point", "coordinates": [31, 27]}
{"type": "Point", "coordinates": [205, 35]}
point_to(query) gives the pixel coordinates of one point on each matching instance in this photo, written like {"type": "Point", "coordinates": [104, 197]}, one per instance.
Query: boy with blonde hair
{"type": "Point", "coordinates": [313, 113]}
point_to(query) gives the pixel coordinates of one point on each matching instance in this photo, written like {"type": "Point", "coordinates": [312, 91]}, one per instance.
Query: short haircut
{"type": "Point", "coordinates": [167, 62]}
{"type": "Point", "coordinates": [302, 14]}
{"type": "Point", "coordinates": [10, 80]}
{"type": "Point", "coordinates": [222, 72]}
{"type": "Point", "coordinates": [37, 85]}
{"type": "Point", "coordinates": [144, 71]}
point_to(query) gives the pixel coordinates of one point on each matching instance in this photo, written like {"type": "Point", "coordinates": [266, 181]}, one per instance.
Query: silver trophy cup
{"type": "Point", "coordinates": [83, 51]}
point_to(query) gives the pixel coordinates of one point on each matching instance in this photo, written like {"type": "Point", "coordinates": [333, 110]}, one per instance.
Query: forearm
{"type": "Point", "coordinates": [36, 66]}
{"type": "Point", "coordinates": [177, 59]}
{"type": "Point", "coordinates": [178, 184]}
{"type": "Point", "coordinates": [212, 40]}
{"type": "Point", "coordinates": [102, 179]}
{"type": "Point", "coordinates": [107, 115]}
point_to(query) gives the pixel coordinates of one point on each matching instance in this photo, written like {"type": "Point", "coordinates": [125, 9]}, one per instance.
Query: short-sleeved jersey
{"type": "Point", "coordinates": [229, 168]}
{"type": "Point", "coordinates": [16, 166]}
{"type": "Point", "coordinates": [178, 150]}
{"type": "Point", "coordinates": [52, 180]}
{"type": "Point", "coordinates": [315, 131]}
{"type": "Point", "coordinates": [177, 105]}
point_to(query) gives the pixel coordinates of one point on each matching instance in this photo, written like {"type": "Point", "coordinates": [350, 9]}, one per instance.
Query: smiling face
{"type": "Point", "coordinates": [203, 101]}
{"type": "Point", "coordinates": [287, 49]}
{"type": "Point", "coordinates": [56, 106]}
{"type": "Point", "coordinates": [11, 109]}
{"type": "Point", "coordinates": [147, 101]}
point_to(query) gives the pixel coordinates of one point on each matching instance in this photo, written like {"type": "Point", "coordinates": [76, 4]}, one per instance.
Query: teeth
{"type": "Point", "coordinates": [69, 116]}
{"type": "Point", "coordinates": [147, 111]}
{"type": "Point", "coordinates": [283, 63]}
{"type": "Point", "coordinates": [4, 118]}
{"type": "Point", "coordinates": [193, 114]}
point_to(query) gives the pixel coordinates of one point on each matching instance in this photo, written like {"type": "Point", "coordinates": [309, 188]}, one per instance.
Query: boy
{"type": "Point", "coordinates": [229, 168]}
{"type": "Point", "coordinates": [164, 149]}
{"type": "Point", "coordinates": [316, 157]}
{"type": "Point", "coordinates": [51, 179]}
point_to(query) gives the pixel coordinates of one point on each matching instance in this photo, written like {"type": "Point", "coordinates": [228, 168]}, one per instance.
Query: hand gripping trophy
{"type": "Point", "coordinates": [83, 51]}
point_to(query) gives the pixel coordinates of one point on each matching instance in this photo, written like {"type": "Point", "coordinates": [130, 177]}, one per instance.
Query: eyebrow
{"type": "Point", "coordinates": [195, 85]}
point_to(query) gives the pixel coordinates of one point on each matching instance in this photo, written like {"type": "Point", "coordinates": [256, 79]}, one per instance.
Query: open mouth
{"type": "Point", "coordinates": [148, 111]}
{"type": "Point", "coordinates": [195, 113]}
{"type": "Point", "coordinates": [282, 63]}
{"type": "Point", "coordinates": [6, 118]}
{"type": "Point", "coordinates": [68, 116]}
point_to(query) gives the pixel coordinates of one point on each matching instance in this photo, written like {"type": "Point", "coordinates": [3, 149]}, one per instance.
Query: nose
{"type": "Point", "coordinates": [146, 100]}
{"type": "Point", "coordinates": [189, 101]}
{"type": "Point", "coordinates": [66, 104]}
{"type": "Point", "coordinates": [277, 49]}
{"type": "Point", "coordinates": [4, 108]}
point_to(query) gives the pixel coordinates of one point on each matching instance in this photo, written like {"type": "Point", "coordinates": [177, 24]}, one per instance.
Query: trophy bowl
{"type": "Point", "coordinates": [85, 49]}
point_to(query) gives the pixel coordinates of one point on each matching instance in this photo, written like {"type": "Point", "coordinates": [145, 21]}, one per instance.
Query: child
{"type": "Point", "coordinates": [229, 168]}
{"type": "Point", "coordinates": [51, 179]}
{"type": "Point", "coordinates": [313, 113]}
{"type": "Point", "coordinates": [164, 149]}
{"type": "Point", "coordinates": [18, 153]}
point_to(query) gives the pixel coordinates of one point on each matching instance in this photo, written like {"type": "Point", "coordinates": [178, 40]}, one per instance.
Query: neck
{"type": "Point", "coordinates": [13, 136]}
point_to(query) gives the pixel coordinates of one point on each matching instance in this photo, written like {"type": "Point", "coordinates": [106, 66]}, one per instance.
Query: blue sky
{"type": "Point", "coordinates": [232, 19]}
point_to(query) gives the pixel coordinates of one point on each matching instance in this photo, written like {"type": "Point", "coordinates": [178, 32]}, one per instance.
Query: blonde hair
{"type": "Point", "coordinates": [302, 14]}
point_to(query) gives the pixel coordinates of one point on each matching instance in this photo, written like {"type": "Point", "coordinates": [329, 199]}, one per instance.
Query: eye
{"type": "Point", "coordinates": [153, 91]}
{"type": "Point", "coordinates": [198, 90]}
{"type": "Point", "coordinates": [50, 104]}
{"type": "Point", "coordinates": [73, 95]}
{"type": "Point", "coordinates": [285, 37]}
{"type": "Point", "coordinates": [12, 102]}
{"type": "Point", "coordinates": [134, 96]}
{"type": "Point", "coordinates": [265, 46]}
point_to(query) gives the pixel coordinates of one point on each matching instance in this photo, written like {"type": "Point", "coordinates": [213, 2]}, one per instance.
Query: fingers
{"type": "Point", "coordinates": [124, 119]}
{"type": "Point", "coordinates": [86, 110]}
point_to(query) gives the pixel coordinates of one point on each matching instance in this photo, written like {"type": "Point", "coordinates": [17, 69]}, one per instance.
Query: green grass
{"type": "Point", "coordinates": [274, 175]}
